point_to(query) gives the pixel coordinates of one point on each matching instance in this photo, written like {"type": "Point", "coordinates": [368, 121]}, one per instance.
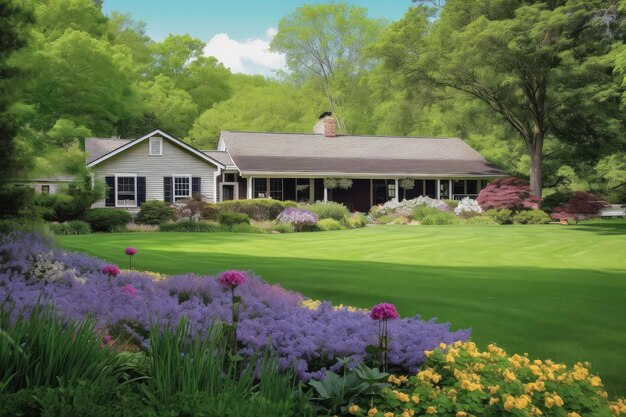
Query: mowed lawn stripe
{"type": "Point", "coordinates": [554, 291]}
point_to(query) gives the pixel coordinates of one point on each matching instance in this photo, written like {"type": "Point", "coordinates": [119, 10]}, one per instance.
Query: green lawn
{"type": "Point", "coordinates": [554, 291]}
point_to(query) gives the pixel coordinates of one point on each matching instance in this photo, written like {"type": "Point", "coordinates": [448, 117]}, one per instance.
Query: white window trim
{"type": "Point", "coordinates": [174, 196]}
{"type": "Point", "coordinates": [124, 176]}
{"type": "Point", "coordinates": [160, 141]}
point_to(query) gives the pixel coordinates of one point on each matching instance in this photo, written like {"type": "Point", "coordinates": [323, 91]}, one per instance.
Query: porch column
{"type": "Point", "coordinates": [396, 198]}
{"type": "Point", "coordinates": [438, 189]}
{"type": "Point", "coordinates": [325, 193]}
{"type": "Point", "coordinates": [450, 190]}
{"type": "Point", "coordinates": [311, 190]}
{"type": "Point", "coordinates": [249, 189]}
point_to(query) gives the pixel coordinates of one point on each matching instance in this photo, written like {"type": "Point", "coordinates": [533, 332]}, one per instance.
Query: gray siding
{"type": "Point", "coordinates": [174, 160]}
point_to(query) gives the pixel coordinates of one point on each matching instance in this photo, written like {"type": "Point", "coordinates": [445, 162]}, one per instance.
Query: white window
{"type": "Point", "coordinates": [156, 146]}
{"type": "Point", "coordinates": [182, 187]}
{"type": "Point", "coordinates": [126, 191]}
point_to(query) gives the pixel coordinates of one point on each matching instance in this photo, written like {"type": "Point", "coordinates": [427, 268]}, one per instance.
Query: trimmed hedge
{"type": "Point", "coordinates": [500, 216]}
{"type": "Point", "coordinates": [107, 219]}
{"type": "Point", "coordinates": [192, 226]}
{"type": "Point", "coordinates": [531, 217]}
{"type": "Point", "coordinates": [256, 209]}
{"type": "Point", "coordinates": [330, 224]}
{"type": "Point", "coordinates": [155, 212]}
{"type": "Point", "coordinates": [75, 227]}
{"type": "Point", "coordinates": [228, 218]}
{"type": "Point", "coordinates": [327, 210]}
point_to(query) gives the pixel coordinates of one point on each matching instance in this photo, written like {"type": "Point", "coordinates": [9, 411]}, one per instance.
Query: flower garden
{"type": "Point", "coordinates": [149, 334]}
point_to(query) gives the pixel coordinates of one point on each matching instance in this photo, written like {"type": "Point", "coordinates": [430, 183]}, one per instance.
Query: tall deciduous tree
{"type": "Point", "coordinates": [539, 65]}
{"type": "Point", "coordinates": [328, 42]}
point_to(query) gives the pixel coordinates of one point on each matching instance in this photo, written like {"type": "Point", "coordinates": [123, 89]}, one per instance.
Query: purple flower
{"type": "Point", "coordinates": [232, 278]}
{"type": "Point", "coordinates": [384, 311]}
{"type": "Point", "coordinates": [130, 290]}
{"type": "Point", "coordinates": [111, 270]}
{"type": "Point", "coordinates": [301, 219]}
{"type": "Point", "coordinates": [130, 251]}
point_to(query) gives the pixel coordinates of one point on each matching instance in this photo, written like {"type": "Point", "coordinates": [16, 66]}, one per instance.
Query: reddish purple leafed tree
{"type": "Point", "coordinates": [510, 193]}
{"type": "Point", "coordinates": [582, 205]}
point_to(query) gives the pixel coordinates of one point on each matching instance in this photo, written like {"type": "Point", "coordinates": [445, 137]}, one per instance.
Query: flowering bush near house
{"type": "Point", "coordinates": [301, 219]}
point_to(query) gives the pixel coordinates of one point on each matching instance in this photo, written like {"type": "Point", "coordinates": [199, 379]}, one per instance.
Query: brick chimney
{"type": "Point", "coordinates": [326, 125]}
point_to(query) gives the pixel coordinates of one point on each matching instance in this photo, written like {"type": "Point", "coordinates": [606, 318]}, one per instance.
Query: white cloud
{"type": "Point", "coordinates": [251, 56]}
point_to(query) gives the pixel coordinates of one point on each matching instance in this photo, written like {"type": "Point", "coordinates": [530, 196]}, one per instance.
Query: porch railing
{"type": "Point", "coordinates": [462, 196]}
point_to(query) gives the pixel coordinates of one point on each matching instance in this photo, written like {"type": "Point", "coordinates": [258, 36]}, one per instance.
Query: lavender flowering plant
{"type": "Point", "coordinates": [300, 218]}
{"type": "Point", "coordinates": [310, 341]}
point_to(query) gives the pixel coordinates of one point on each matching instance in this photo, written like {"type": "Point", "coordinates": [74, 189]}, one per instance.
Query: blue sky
{"type": "Point", "coordinates": [237, 32]}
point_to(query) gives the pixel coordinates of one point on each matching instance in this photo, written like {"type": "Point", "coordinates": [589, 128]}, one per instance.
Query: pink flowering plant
{"type": "Point", "coordinates": [130, 251]}
{"type": "Point", "coordinates": [130, 290]}
{"type": "Point", "coordinates": [231, 280]}
{"type": "Point", "coordinates": [383, 313]}
{"type": "Point", "coordinates": [111, 271]}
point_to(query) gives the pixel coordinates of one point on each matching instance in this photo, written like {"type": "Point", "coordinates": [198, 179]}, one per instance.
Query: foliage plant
{"type": "Point", "coordinates": [330, 224]}
{"type": "Point", "coordinates": [460, 380]}
{"type": "Point", "coordinates": [582, 205]}
{"type": "Point", "coordinates": [441, 218]}
{"type": "Point", "coordinates": [39, 350]}
{"type": "Point", "coordinates": [259, 209]}
{"type": "Point", "coordinates": [355, 220]}
{"type": "Point", "coordinates": [228, 218]}
{"type": "Point", "coordinates": [245, 228]}
{"type": "Point", "coordinates": [74, 227]}
{"type": "Point", "coordinates": [531, 217]}
{"type": "Point", "coordinates": [192, 226]}
{"type": "Point", "coordinates": [304, 339]}
{"type": "Point", "coordinates": [327, 209]}
{"type": "Point", "coordinates": [190, 208]}
{"type": "Point", "coordinates": [107, 219]}
{"type": "Point", "coordinates": [500, 216]}
{"type": "Point", "coordinates": [155, 212]}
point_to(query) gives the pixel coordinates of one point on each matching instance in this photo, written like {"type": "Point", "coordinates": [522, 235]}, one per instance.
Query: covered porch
{"type": "Point", "coordinates": [364, 192]}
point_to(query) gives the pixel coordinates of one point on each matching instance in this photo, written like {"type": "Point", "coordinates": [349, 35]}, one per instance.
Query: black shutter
{"type": "Point", "coordinates": [195, 185]}
{"type": "Point", "coordinates": [141, 190]}
{"type": "Point", "coordinates": [110, 197]}
{"type": "Point", "coordinates": [167, 189]}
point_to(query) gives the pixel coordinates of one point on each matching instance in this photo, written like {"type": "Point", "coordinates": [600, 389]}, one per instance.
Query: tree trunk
{"type": "Point", "coordinates": [535, 150]}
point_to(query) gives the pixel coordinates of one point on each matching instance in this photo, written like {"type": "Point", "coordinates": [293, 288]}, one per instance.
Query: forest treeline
{"type": "Point", "coordinates": [536, 86]}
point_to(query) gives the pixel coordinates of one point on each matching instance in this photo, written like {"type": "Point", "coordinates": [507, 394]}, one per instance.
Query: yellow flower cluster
{"type": "Point", "coordinates": [315, 304]}
{"type": "Point", "coordinates": [398, 380]}
{"type": "Point", "coordinates": [618, 407]}
{"type": "Point", "coordinates": [510, 402]}
{"type": "Point", "coordinates": [428, 375]}
{"type": "Point", "coordinates": [401, 396]}
{"type": "Point", "coordinates": [553, 400]}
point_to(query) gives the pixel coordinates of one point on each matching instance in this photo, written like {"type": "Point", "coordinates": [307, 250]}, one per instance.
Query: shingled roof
{"type": "Point", "coordinates": [97, 147]}
{"type": "Point", "coordinates": [257, 153]}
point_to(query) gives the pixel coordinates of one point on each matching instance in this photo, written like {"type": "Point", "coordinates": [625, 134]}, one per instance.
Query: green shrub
{"type": "Point", "coordinates": [191, 226]}
{"type": "Point", "coordinates": [531, 217]}
{"type": "Point", "coordinates": [245, 228]}
{"type": "Point", "coordinates": [155, 212]}
{"type": "Point", "coordinates": [400, 220]}
{"type": "Point", "coordinates": [452, 203]}
{"type": "Point", "coordinates": [555, 200]}
{"type": "Point", "coordinates": [479, 220]}
{"type": "Point", "coordinates": [8, 226]}
{"type": "Point", "coordinates": [422, 211]}
{"type": "Point", "coordinates": [329, 224]}
{"type": "Point", "coordinates": [327, 210]}
{"type": "Point", "coordinates": [355, 220]}
{"type": "Point", "coordinates": [376, 211]}
{"type": "Point", "coordinates": [229, 218]}
{"type": "Point", "coordinates": [440, 218]}
{"type": "Point", "coordinates": [75, 227]}
{"type": "Point", "coordinates": [384, 219]}
{"type": "Point", "coordinates": [284, 227]}
{"type": "Point", "coordinates": [256, 209]}
{"type": "Point", "coordinates": [107, 219]}
{"type": "Point", "coordinates": [500, 216]}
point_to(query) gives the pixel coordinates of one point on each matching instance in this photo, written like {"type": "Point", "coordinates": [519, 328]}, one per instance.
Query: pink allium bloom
{"type": "Point", "coordinates": [111, 270]}
{"type": "Point", "coordinates": [130, 251]}
{"type": "Point", "coordinates": [232, 278]}
{"type": "Point", "coordinates": [130, 290]}
{"type": "Point", "coordinates": [384, 311]}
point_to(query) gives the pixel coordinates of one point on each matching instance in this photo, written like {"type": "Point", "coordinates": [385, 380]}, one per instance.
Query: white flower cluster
{"type": "Point", "coordinates": [46, 268]}
{"type": "Point", "coordinates": [467, 206]}
{"type": "Point", "coordinates": [406, 207]}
